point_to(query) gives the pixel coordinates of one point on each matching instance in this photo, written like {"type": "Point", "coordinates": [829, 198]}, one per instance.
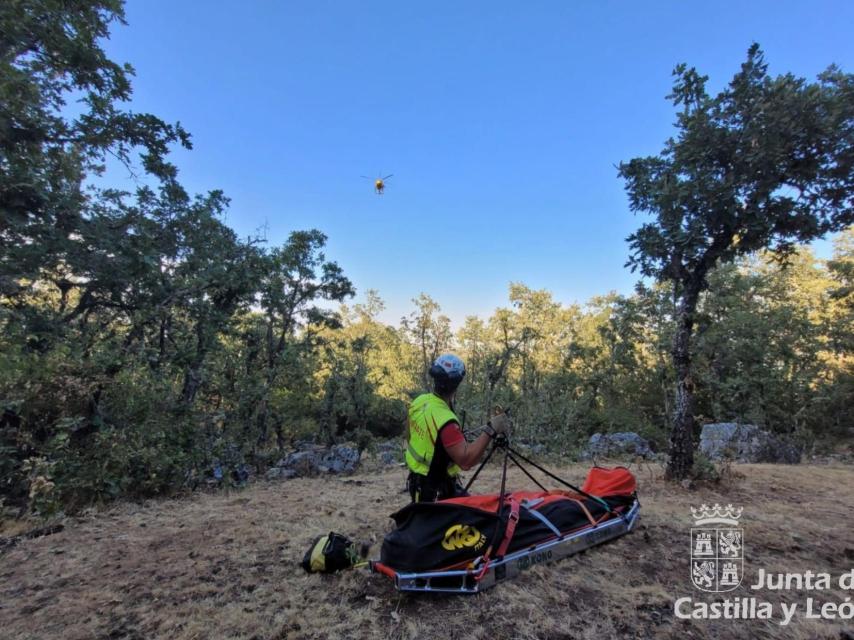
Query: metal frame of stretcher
{"type": "Point", "coordinates": [474, 580]}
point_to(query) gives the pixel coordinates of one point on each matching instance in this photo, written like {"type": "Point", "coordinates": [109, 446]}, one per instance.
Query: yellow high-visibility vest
{"type": "Point", "coordinates": [427, 414]}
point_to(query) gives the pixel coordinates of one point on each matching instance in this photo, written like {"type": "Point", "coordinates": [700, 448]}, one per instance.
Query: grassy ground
{"type": "Point", "coordinates": [226, 566]}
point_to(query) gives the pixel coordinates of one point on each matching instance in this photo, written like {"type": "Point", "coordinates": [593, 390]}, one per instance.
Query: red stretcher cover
{"type": "Point", "coordinates": [452, 533]}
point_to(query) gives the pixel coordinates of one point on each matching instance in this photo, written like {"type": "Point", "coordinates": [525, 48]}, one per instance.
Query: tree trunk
{"type": "Point", "coordinates": [280, 435]}
{"type": "Point", "coordinates": [193, 374]}
{"type": "Point", "coordinates": [192, 382]}
{"type": "Point", "coordinates": [682, 435]}
{"type": "Point", "coordinates": [261, 421]}
{"type": "Point", "coordinates": [425, 362]}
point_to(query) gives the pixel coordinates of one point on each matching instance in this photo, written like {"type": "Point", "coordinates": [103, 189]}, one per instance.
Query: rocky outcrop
{"type": "Point", "coordinates": [390, 452]}
{"type": "Point", "coordinates": [280, 473]}
{"type": "Point", "coordinates": [530, 448]}
{"type": "Point", "coordinates": [746, 443]}
{"type": "Point", "coordinates": [616, 445]}
{"type": "Point", "coordinates": [314, 460]}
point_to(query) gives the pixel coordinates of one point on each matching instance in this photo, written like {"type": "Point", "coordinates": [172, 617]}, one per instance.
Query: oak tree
{"type": "Point", "coordinates": [766, 163]}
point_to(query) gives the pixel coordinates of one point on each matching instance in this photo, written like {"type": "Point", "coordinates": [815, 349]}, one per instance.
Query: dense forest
{"type": "Point", "coordinates": [115, 402]}
{"type": "Point", "coordinates": [143, 341]}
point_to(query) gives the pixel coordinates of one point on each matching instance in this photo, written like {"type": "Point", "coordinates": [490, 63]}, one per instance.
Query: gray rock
{"type": "Point", "coordinates": [279, 473]}
{"type": "Point", "coordinates": [626, 443]}
{"type": "Point", "coordinates": [339, 459]}
{"type": "Point", "coordinates": [746, 443]}
{"type": "Point", "coordinates": [389, 452]}
{"type": "Point", "coordinates": [390, 457]}
{"type": "Point", "coordinates": [303, 463]}
{"type": "Point", "coordinates": [388, 445]}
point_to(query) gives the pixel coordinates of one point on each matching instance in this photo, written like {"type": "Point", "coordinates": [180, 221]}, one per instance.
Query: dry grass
{"type": "Point", "coordinates": [226, 566]}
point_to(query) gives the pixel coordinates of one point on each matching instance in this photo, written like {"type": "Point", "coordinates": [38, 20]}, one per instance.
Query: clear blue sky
{"type": "Point", "coordinates": [501, 121]}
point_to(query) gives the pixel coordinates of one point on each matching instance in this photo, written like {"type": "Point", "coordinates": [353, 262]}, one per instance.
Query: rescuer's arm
{"type": "Point", "coordinates": [466, 454]}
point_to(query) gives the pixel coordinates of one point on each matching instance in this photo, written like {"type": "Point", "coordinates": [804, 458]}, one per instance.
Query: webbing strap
{"type": "Point", "coordinates": [608, 507]}
{"type": "Point", "coordinates": [539, 516]}
{"type": "Point", "coordinates": [509, 530]}
{"type": "Point", "coordinates": [512, 521]}
{"type": "Point", "coordinates": [586, 511]}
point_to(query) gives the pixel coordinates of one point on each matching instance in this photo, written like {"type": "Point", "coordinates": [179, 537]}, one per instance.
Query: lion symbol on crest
{"type": "Point", "coordinates": [717, 559]}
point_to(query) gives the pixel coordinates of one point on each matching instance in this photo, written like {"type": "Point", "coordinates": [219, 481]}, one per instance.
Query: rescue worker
{"type": "Point", "coordinates": [436, 449]}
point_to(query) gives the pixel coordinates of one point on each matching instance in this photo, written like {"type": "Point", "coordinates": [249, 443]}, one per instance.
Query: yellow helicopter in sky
{"type": "Point", "coordinates": [379, 183]}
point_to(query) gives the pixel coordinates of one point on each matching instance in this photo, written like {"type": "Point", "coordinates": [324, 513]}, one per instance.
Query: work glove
{"type": "Point", "coordinates": [501, 424]}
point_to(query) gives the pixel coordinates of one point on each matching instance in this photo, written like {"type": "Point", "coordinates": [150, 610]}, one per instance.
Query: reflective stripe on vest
{"type": "Point", "coordinates": [428, 413]}
{"type": "Point", "coordinates": [418, 458]}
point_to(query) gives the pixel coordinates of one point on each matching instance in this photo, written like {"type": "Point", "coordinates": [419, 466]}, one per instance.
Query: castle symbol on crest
{"type": "Point", "coordinates": [717, 560]}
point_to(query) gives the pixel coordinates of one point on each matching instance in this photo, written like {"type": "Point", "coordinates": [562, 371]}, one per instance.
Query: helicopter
{"type": "Point", "coordinates": [379, 183]}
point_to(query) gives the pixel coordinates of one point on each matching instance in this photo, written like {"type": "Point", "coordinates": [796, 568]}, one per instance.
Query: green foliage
{"type": "Point", "coordinates": [367, 374]}
{"type": "Point", "coordinates": [429, 330]}
{"type": "Point", "coordinates": [145, 347]}
{"type": "Point", "coordinates": [759, 343]}
{"type": "Point", "coordinates": [765, 164]}
{"type": "Point", "coordinates": [50, 54]}
{"type": "Point", "coordinates": [134, 359]}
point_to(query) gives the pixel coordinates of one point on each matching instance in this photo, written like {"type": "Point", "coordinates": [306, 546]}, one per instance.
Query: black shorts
{"type": "Point", "coordinates": [424, 489]}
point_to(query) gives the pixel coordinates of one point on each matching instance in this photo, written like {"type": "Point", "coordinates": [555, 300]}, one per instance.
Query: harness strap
{"type": "Point", "coordinates": [509, 530]}
{"type": "Point", "coordinates": [539, 516]}
{"type": "Point", "coordinates": [586, 511]}
{"type": "Point", "coordinates": [512, 521]}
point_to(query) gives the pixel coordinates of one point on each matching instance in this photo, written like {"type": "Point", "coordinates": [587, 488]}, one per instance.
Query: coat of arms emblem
{"type": "Point", "coordinates": [717, 545]}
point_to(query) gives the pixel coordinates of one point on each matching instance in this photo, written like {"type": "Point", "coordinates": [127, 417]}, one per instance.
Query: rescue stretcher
{"type": "Point", "coordinates": [469, 544]}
